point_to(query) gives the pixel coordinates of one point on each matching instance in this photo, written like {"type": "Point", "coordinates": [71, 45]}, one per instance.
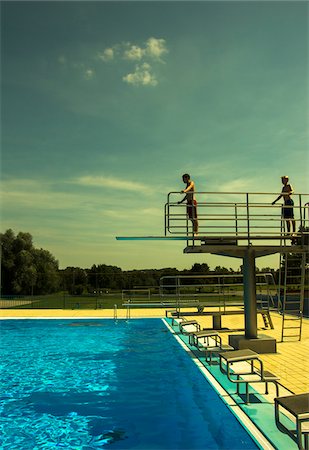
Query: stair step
{"type": "Point", "coordinates": [297, 318]}
{"type": "Point", "coordinates": [293, 313]}
{"type": "Point", "coordinates": [296, 314]}
{"type": "Point", "coordinates": [291, 336]}
{"type": "Point", "coordinates": [292, 301]}
{"type": "Point", "coordinates": [291, 328]}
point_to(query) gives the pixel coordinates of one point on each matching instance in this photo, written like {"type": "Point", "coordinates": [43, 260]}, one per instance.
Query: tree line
{"type": "Point", "coordinates": [26, 270]}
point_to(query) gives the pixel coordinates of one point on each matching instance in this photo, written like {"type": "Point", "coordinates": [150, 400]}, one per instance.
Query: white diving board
{"type": "Point", "coordinates": [156, 238]}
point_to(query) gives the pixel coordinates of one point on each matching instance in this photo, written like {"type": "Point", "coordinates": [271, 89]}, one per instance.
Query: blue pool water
{"type": "Point", "coordinates": [91, 384]}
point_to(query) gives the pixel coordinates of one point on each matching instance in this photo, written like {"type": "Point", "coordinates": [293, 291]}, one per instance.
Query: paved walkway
{"type": "Point", "coordinates": [290, 362]}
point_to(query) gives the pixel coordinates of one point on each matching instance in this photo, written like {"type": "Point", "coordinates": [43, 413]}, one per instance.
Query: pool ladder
{"type": "Point", "coordinates": [115, 312]}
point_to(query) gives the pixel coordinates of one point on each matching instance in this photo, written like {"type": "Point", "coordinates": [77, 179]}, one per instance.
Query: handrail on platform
{"type": "Point", "coordinates": [236, 215]}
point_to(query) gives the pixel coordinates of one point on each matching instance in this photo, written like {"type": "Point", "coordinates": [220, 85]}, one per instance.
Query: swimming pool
{"type": "Point", "coordinates": [89, 384]}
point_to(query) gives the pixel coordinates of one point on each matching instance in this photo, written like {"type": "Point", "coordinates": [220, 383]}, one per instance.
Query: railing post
{"type": "Point", "coordinates": [236, 219]}
{"type": "Point", "coordinates": [187, 229]}
{"type": "Point", "coordinates": [248, 217]}
{"type": "Point", "coordinates": [300, 213]}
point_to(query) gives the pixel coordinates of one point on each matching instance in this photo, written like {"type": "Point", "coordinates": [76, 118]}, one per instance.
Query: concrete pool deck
{"type": "Point", "coordinates": [290, 363]}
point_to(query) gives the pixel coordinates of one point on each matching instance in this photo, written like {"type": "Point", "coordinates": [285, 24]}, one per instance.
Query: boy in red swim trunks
{"type": "Point", "coordinates": [191, 201]}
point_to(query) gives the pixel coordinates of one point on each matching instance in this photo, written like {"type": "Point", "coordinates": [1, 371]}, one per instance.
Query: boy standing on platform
{"type": "Point", "coordinates": [191, 201]}
{"type": "Point", "coordinates": [287, 209]}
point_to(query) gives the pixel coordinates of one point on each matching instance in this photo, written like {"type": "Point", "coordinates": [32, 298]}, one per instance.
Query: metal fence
{"type": "Point", "coordinates": [61, 301]}
{"type": "Point", "coordinates": [220, 290]}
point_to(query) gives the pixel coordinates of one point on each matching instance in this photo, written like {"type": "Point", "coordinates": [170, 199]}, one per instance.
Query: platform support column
{"type": "Point", "coordinates": [250, 294]}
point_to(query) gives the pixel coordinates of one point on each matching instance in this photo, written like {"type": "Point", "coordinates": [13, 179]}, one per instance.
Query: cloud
{"type": "Point", "coordinates": [142, 76]}
{"type": "Point", "coordinates": [134, 53]}
{"type": "Point", "coordinates": [89, 74]}
{"type": "Point", "coordinates": [107, 55]}
{"type": "Point", "coordinates": [35, 195]}
{"type": "Point", "coordinates": [148, 54]}
{"type": "Point", "coordinates": [155, 48]}
{"type": "Point", "coordinates": [112, 183]}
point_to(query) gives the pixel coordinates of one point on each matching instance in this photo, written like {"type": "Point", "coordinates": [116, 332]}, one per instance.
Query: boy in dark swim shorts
{"type": "Point", "coordinates": [191, 201]}
{"type": "Point", "coordinates": [287, 208]}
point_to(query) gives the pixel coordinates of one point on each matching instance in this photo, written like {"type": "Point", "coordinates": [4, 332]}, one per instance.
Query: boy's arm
{"type": "Point", "coordinates": [190, 187]}
{"type": "Point", "coordinates": [278, 198]}
{"type": "Point", "coordinates": [181, 201]}
{"type": "Point", "coordinates": [289, 191]}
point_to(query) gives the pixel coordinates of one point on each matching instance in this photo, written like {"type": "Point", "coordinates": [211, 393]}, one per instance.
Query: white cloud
{"type": "Point", "coordinates": [142, 76]}
{"type": "Point", "coordinates": [155, 48]}
{"type": "Point", "coordinates": [134, 53]}
{"type": "Point", "coordinates": [89, 74]}
{"type": "Point", "coordinates": [148, 54]}
{"type": "Point", "coordinates": [36, 196]}
{"type": "Point", "coordinates": [112, 183]}
{"type": "Point", "coordinates": [107, 55]}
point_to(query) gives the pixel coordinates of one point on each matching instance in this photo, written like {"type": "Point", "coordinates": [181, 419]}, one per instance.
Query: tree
{"type": "Point", "coordinates": [26, 270]}
{"type": "Point", "coordinates": [221, 270]}
{"type": "Point", "coordinates": [105, 277]}
{"type": "Point", "coordinates": [48, 279]}
{"type": "Point", "coordinates": [74, 280]}
{"type": "Point", "coordinates": [7, 260]}
{"type": "Point", "coordinates": [202, 269]}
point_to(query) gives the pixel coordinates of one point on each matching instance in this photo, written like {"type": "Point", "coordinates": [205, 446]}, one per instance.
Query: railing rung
{"type": "Point", "coordinates": [291, 320]}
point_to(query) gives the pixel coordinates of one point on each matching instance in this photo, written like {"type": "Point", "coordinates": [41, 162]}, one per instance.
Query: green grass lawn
{"type": "Point", "coordinates": [105, 301]}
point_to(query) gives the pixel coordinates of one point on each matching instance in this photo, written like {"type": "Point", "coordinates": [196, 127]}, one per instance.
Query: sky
{"type": "Point", "coordinates": [104, 105]}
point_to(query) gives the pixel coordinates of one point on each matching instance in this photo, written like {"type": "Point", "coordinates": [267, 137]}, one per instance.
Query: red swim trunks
{"type": "Point", "coordinates": [192, 209]}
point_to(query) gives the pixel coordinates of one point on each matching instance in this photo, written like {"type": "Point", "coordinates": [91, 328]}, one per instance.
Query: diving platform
{"type": "Point", "coordinates": [240, 225]}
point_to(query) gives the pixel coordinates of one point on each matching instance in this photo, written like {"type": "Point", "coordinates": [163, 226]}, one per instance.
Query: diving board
{"type": "Point", "coordinates": [156, 238]}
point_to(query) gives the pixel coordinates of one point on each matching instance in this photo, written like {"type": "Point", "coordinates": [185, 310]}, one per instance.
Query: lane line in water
{"type": "Point", "coordinates": [243, 418]}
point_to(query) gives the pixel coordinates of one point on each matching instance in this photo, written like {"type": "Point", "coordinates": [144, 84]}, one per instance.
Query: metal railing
{"type": "Point", "coordinates": [220, 290]}
{"type": "Point", "coordinates": [140, 294]}
{"type": "Point", "coordinates": [244, 216]}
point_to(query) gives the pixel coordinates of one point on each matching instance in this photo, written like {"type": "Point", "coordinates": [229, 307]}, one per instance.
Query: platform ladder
{"type": "Point", "coordinates": [265, 300]}
{"type": "Point", "coordinates": [292, 277]}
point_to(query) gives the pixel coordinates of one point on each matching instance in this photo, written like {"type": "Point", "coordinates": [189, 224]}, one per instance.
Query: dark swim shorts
{"type": "Point", "coordinates": [287, 209]}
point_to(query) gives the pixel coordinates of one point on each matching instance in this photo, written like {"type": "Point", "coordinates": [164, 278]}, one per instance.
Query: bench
{"type": "Point", "coordinates": [298, 406]}
{"type": "Point", "coordinates": [210, 342]}
{"type": "Point", "coordinates": [240, 369]}
{"type": "Point", "coordinates": [189, 326]}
